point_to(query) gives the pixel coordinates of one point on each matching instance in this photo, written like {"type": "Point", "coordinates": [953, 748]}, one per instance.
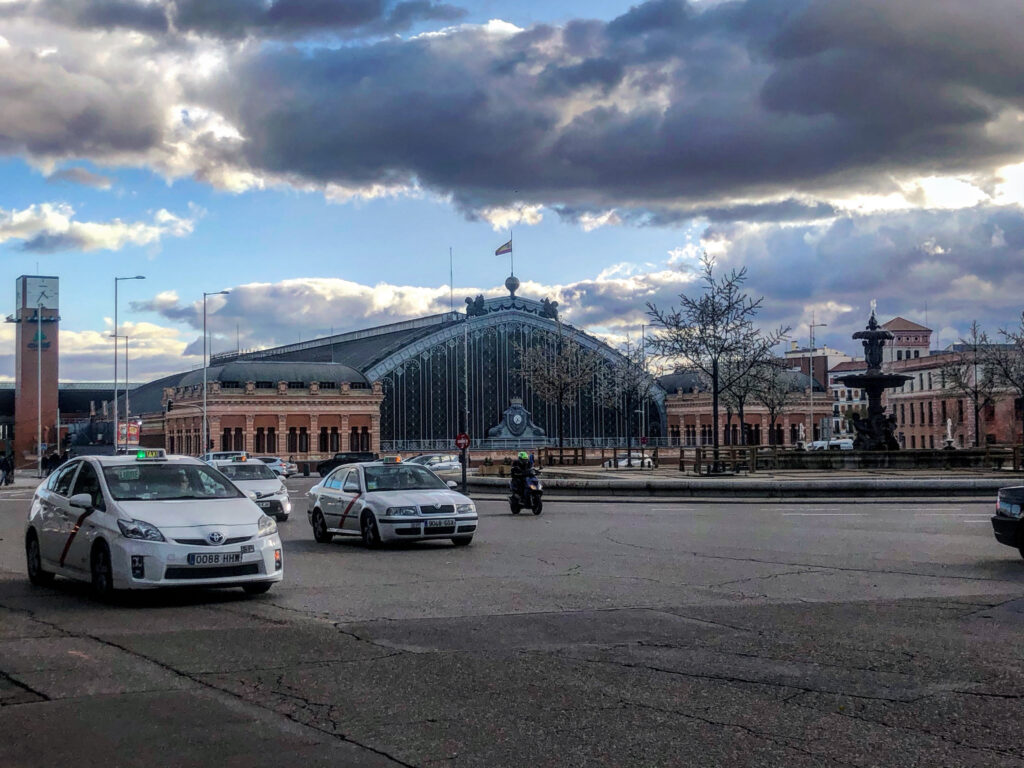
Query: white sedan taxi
{"type": "Point", "coordinates": [250, 475]}
{"type": "Point", "coordinates": [149, 520]}
{"type": "Point", "coordinates": [389, 502]}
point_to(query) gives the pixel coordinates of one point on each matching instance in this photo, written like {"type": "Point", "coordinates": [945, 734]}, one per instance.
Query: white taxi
{"type": "Point", "coordinates": [252, 476]}
{"type": "Point", "coordinates": [384, 502]}
{"type": "Point", "coordinates": [149, 520]}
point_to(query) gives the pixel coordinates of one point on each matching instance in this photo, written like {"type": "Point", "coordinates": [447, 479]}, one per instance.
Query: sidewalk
{"type": "Point", "coordinates": [593, 482]}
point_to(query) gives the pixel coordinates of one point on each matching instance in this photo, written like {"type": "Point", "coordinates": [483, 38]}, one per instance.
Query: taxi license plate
{"type": "Point", "coordinates": [263, 504]}
{"type": "Point", "coordinates": [440, 523]}
{"type": "Point", "coordinates": [214, 558]}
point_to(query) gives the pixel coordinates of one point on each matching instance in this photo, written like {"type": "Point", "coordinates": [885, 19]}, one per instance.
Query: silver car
{"type": "Point", "coordinates": [389, 502]}
{"type": "Point", "coordinates": [438, 462]}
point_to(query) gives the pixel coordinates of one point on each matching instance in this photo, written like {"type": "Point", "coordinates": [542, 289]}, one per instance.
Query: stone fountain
{"type": "Point", "coordinates": [875, 433]}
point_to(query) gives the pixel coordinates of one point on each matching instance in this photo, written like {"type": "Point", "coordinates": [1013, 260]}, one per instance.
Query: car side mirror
{"type": "Point", "coordinates": [452, 484]}
{"type": "Point", "coordinates": [81, 500]}
{"type": "Point", "coordinates": [251, 495]}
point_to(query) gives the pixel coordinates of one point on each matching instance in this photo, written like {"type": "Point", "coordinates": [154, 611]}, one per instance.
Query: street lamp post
{"type": "Point", "coordinates": [39, 386]}
{"type": "Point", "coordinates": [205, 446]}
{"type": "Point", "coordinates": [117, 424]}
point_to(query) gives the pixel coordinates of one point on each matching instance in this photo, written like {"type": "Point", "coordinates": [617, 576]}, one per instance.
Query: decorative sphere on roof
{"type": "Point", "coordinates": [512, 284]}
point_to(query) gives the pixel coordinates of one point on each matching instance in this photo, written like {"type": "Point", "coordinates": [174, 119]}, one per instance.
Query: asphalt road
{"type": "Point", "coordinates": [642, 634]}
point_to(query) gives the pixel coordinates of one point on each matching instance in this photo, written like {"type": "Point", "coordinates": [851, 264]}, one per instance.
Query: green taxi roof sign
{"type": "Point", "coordinates": [150, 454]}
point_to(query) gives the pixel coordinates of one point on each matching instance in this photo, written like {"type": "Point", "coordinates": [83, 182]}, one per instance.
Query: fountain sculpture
{"type": "Point", "coordinates": [875, 433]}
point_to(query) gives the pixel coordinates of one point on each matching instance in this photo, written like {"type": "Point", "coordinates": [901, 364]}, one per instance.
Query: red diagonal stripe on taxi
{"type": "Point", "coordinates": [348, 509]}
{"type": "Point", "coordinates": [74, 531]}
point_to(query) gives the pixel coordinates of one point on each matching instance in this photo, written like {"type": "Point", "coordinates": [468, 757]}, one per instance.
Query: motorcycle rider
{"type": "Point", "coordinates": [520, 471]}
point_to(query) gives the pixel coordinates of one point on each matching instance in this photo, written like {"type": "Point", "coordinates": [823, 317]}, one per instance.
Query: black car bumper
{"type": "Point", "coordinates": [1009, 530]}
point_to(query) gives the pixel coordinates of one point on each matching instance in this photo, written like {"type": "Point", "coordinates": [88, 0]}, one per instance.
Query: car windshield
{"type": "Point", "coordinates": [245, 470]}
{"type": "Point", "coordinates": [269, 459]}
{"type": "Point", "coordinates": [167, 481]}
{"type": "Point", "coordinates": [401, 477]}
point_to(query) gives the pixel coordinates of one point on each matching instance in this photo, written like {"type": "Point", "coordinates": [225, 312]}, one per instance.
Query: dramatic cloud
{"type": "Point", "coordinates": [236, 18]}
{"type": "Point", "coordinates": [50, 227]}
{"type": "Point", "coordinates": [739, 111]}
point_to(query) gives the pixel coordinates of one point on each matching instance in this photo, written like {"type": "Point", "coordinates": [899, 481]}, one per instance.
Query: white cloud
{"type": "Point", "coordinates": [501, 218]}
{"type": "Point", "coordinates": [47, 227]}
{"type": "Point", "coordinates": [592, 221]}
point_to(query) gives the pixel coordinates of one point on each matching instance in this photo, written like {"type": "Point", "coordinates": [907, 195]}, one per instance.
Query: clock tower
{"type": "Point", "coordinates": [35, 368]}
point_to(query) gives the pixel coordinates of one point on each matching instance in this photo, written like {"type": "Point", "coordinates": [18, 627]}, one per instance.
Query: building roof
{"type": "Point", "coordinates": [687, 380]}
{"type": "Point", "coordinates": [849, 365]}
{"type": "Point", "coordinates": [902, 324]}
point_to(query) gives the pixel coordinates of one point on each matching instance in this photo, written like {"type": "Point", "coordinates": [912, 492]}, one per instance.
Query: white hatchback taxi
{"type": "Point", "coordinates": [149, 520]}
{"type": "Point", "coordinates": [389, 502]}
{"type": "Point", "coordinates": [250, 475]}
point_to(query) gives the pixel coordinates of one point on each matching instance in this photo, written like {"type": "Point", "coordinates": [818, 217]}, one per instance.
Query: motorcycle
{"type": "Point", "coordinates": [530, 497]}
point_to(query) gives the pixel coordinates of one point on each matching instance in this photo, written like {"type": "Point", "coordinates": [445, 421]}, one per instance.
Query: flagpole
{"type": "Point", "coordinates": [451, 281]}
{"type": "Point", "coordinates": [511, 255]}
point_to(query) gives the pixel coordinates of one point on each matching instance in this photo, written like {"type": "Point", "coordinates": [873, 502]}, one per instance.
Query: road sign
{"type": "Point", "coordinates": [462, 441]}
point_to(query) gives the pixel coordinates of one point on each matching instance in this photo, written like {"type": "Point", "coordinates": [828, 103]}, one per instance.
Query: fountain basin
{"type": "Point", "coordinates": [869, 381]}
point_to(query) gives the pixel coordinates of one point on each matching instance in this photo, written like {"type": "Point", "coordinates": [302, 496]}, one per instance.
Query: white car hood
{"type": "Point", "coordinates": [384, 499]}
{"type": "Point", "coordinates": [268, 487]}
{"type": "Point", "coordinates": [188, 513]}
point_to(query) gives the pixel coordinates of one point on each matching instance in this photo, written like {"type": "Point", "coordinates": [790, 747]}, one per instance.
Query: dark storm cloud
{"type": "Point", "coordinates": [239, 18]}
{"type": "Point", "coordinates": [668, 108]}
{"type": "Point", "coordinates": [748, 99]}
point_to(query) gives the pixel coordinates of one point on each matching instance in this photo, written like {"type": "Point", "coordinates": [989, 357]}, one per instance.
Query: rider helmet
{"type": "Point", "coordinates": [524, 456]}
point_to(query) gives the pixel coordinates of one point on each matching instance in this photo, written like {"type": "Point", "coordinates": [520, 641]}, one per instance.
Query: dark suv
{"type": "Point", "coordinates": [352, 457]}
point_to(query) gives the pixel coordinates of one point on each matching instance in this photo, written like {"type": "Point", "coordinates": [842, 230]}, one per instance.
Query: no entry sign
{"type": "Point", "coordinates": [462, 441]}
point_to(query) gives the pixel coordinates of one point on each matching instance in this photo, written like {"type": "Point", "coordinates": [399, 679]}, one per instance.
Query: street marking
{"type": "Point", "coordinates": [824, 514]}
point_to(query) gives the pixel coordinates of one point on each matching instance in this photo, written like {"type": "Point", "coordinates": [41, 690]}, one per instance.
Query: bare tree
{"type": "Point", "coordinates": [714, 333]}
{"type": "Point", "coordinates": [969, 374]}
{"type": "Point", "coordinates": [558, 372]}
{"type": "Point", "coordinates": [624, 387]}
{"type": "Point", "coordinates": [741, 391]}
{"type": "Point", "coordinates": [773, 389]}
{"type": "Point", "coordinates": [1007, 362]}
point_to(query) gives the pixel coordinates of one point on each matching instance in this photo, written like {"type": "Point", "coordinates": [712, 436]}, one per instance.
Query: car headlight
{"type": "Point", "coordinates": [267, 525]}
{"type": "Point", "coordinates": [140, 529]}
{"type": "Point", "coordinates": [283, 490]}
{"type": "Point", "coordinates": [465, 509]}
{"type": "Point", "coordinates": [402, 511]}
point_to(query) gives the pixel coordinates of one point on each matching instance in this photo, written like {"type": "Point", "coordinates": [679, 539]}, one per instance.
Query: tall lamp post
{"type": "Point", "coordinates": [810, 383]}
{"type": "Point", "coordinates": [205, 446]}
{"type": "Point", "coordinates": [117, 424]}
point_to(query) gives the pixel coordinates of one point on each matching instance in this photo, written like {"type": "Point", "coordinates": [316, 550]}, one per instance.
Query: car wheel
{"type": "Point", "coordinates": [462, 541]}
{"type": "Point", "coordinates": [34, 561]}
{"type": "Point", "coordinates": [371, 535]}
{"type": "Point", "coordinates": [320, 532]}
{"type": "Point", "coordinates": [258, 587]}
{"type": "Point", "coordinates": [102, 573]}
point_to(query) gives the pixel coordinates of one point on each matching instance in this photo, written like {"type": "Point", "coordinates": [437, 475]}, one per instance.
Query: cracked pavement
{"type": "Point", "coordinates": [598, 634]}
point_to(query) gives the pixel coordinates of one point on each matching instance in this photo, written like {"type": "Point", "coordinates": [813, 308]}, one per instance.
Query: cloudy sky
{"type": "Point", "coordinates": [319, 158]}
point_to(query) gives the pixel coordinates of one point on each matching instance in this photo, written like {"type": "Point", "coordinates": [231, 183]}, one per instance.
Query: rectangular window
{"type": "Point", "coordinates": [335, 443]}
{"type": "Point", "coordinates": [322, 443]}
{"type": "Point", "coordinates": [271, 440]}
{"type": "Point", "coordinates": [903, 414]}
{"type": "Point", "coordinates": [943, 411]}
{"type": "Point", "coordinates": [239, 439]}
{"type": "Point", "coordinates": [911, 414]}
{"type": "Point", "coordinates": [303, 440]}
{"type": "Point", "coordinates": [261, 440]}
{"type": "Point", "coordinates": [225, 439]}
{"type": "Point", "coordinates": [931, 413]}
{"type": "Point", "coordinates": [899, 354]}
{"type": "Point", "coordinates": [922, 412]}
{"type": "Point", "coordinates": [931, 441]}
{"type": "Point", "coordinates": [913, 440]}
{"type": "Point", "coordinates": [293, 440]}
{"type": "Point", "coordinates": [960, 410]}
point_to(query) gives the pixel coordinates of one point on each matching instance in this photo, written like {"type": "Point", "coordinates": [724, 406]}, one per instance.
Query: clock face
{"type": "Point", "coordinates": [517, 419]}
{"type": "Point", "coordinates": [41, 291]}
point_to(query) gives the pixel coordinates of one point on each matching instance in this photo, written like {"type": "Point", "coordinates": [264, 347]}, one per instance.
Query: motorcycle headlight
{"type": "Point", "coordinates": [267, 525]}
{"type": "Point", "coordinates": [465, 509]}
{"type": "Point", "coordinates": [140, 529]}
{"type": "Point", "coordinates": [402, 511]}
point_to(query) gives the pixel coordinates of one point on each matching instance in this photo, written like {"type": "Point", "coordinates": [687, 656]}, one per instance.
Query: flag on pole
{"type": "Point", "coordinates": [502, 250]}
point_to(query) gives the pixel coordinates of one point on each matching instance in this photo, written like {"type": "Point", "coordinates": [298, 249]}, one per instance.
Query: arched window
{"type": "Point", "coordinates": [303, 440]}
{"type": "Point", "coordinates": [322, 443]}
{"type": "Point", "coordinates": [271, 440]}
{"type": "Point", "coordinates": [293, 440]}
{"type": "Point", "coordinates": [225, 439]}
